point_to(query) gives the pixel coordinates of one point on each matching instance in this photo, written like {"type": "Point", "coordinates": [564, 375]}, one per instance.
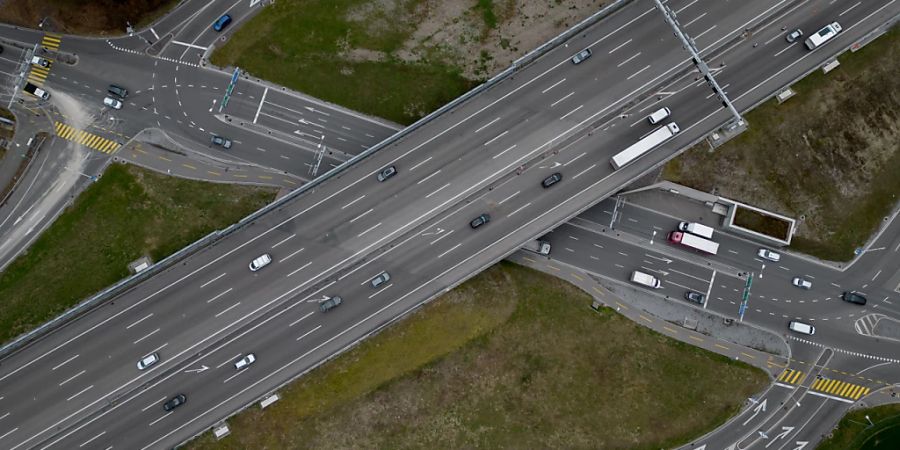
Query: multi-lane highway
{"type": "Point", "coordinates": [79, 386]}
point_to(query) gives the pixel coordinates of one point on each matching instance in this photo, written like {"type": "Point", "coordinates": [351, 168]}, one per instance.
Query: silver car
{"type": "Point", "coordinates": [148, 361]}
{"type": "Point", "coordinates": [245, 362]}
{"type": "Point", "coordinates": [581, 56]}
{"type": "Point", "coordinates": [382, 278]}
{"type": "Point", "coordinates": [802, 283]}
{"type": "Point", "coordinates": [765, 253]}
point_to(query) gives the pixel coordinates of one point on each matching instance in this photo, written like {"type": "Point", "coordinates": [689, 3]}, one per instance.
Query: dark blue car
{"type": "Point", "coordinates": [222, 22]}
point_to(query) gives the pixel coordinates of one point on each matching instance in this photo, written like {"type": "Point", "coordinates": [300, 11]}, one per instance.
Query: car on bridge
{"type": "Point", "coordinates": [330, 303]}
{"type": "Point", "coordinates": [175, 402]}
{"type": "Point", "coordinates": [479, 221]}
{"type": "Point", "coordinates": [386, 173]}
{"type": "Point", "coordinates": [794, 35]}
{"type": "Point", "coordinates": [581, 56]}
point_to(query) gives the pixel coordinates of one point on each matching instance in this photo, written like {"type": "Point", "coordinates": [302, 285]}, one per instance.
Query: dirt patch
{"type": "Point", "coordinates": [100, 17]}
{"type": "Point", "coordinates": [826, 157]}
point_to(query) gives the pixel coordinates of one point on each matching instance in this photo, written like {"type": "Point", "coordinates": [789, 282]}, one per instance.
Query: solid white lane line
{"type": "Point", "coordinates": [227, 309]}
{"type": "Point", "coordinates": [620, 46]}
{"type": "Point", "coordinates": [300, 319]}
{"type": "Point", "coordinates": [208, 282]}
{"type": "Point", "coordinates": [628, 59]}
{"type": "Point", "coordinates": [638, 72]}
{"type": "Point", "coordinates": [361, 215]}
{"type": "Point", "coordinates": [686, 6]}
{"type": "Point", "coordinates": [448, 251]}
{"type": "Point", "coordinates": [571, 112]}
{"type": "Point", "coordinates": [504, 151]}
{"type": "Point", "coordinates": [308, 332]}
{"type": "Point", "coordinates": [145, 337]}
{"type": "Point", "coordinates": [354, 201]}
{"type": "Point", "coordinates": [284, 240]}
{"type": "Point", "coordinates": [80, 392]}
{"type": "Point", "coordinates": [562, 99]}
{"type": "Point", "coordinates": [849, 9]}
{"type": "Point", "coordinates": [72, 377]}
{"type": "Point", "coordinates": [487, 124]}
{"type": "Point", "coordinates": [64, 362]}
{"type": "Point", "coordinates": [438, 190]}
{"type": "Point", "coordinates": [368, 230]}
{"type": "Point", "coordinates": [91, 439]}
{"type": "Point", "coordinates": [552, 86]}
{"type": "Point", "coordinates": [420, 163]}
{"type": "Point", "coordinates": [707, 31]}
{"type": "Point", "coordinates": [429, 176]}
{"type": "Point", "coordinates": [221, 294]}
{"type": "Point", "coordinates": [261, 101]}
{"type": "Point", "coordinates": [694, 20]}
{"type": "Point", "coordinates": [297, 270]}
{"type": "Point", "coordinates": [496, 137]}
{"type": "Point", "coordinates": [289, 256]}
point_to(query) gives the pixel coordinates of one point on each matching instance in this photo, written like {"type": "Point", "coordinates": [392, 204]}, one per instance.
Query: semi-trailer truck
{"type": "Point", "coordinates": [538, 246]}
{"type": "Point", "coordinates": [697, 228]}
{"type": "Point", "coordinates": [641, 147]}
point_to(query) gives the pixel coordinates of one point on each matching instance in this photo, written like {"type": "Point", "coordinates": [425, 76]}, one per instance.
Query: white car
{"type": "Point", "coordinates": [802, 328]}
{"type": "Point", "coordinates": [112, 103]}
{"type": "Point", "coordinates": [148, 361]}
{"type": "Point", "coordinates": [802, 283]}
{"type": "Point", "coordinates": [245, 362]}
{"type": "Point", "coordinates": [38, 61]}
{"type": "Point", "coordinates": [260, 262]}
{"type": "Point", "coordinates": [765, 253]}
{"type": "Point", "coordinates": [659, 115]}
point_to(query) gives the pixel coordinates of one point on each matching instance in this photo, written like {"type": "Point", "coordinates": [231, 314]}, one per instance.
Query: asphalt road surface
{"type": "Point", "coordinates": [488, 156]}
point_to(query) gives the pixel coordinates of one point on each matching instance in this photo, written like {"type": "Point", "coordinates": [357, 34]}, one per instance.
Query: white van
{"type": "Point", "coordinates": [645, 279]}
{"type": "Point", "coordinates": [260, 262]}
{"type": "Point", "coordinates": [824, 35]}
{"type": "Point", "coordinates": [659, 115]}
{"type": "Point", "coordinates": [802, 328]}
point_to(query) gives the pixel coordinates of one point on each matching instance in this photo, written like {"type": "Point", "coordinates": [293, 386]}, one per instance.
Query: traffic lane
{"type": "Point", "coordinates": [198, 30]}
{"type": "Point", "coordinates": [26, 36]}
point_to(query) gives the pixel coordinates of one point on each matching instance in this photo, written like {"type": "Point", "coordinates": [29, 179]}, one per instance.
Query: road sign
{"type": "Point", "coordinates": [230, 88]}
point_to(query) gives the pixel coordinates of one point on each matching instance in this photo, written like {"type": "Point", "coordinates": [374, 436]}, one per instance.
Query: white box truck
{"type": "Point", "coordinates": [645, 279]}
{"type": "Point", "coordinates": [694, 242]}
{"type": "Point", "coordinates": [538, 246]}
{"type": "Point", "coordinates": [643, 146]}
{"type": "Point", "coordinates": [697, 228]}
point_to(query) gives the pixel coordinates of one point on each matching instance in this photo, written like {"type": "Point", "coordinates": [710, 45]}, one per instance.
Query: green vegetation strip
{"type": "Point", "coordinates": [829, 154]}
{"type": "Point", "coordinates": [511, 359]}
{"type": "Point", "coordinates": [316, 47]}
{"type": "Point", "coordinates": [855, 432]}
{"type": "Point", "coordinates": [129, 212]}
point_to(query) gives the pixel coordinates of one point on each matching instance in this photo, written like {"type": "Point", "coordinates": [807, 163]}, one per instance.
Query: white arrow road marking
{"type": "Point", "coordinates": [760, 407]}
{"type": "Point", "coordinates": [198, 370]}
{"type": "Point", "coordinates": [784, 433]}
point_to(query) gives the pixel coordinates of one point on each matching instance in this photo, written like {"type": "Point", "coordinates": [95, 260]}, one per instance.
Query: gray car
{"type": "Point", "coordinates": [330, 303]}
{"type": "Point", "coordinates": [382, 278]}
{"type": "Point", "coordinates": [223, 142]}
{"type": "Point", "coordinates": [581, 56]}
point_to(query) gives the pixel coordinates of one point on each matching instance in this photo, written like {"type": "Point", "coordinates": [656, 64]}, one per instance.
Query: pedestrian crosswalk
{"type": "Point", "coordinates": [87, 139]}
{"type": "Point", "coordinates": [791, 376]}
{"type": "Point", "coordinates": [839, 388]}
{"type": "Point", "coordinates": [51, 41]}
{"type": "Point", "coordinates": [38, 74]}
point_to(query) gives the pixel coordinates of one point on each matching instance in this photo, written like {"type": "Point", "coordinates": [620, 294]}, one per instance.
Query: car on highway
{"type": "Point", "coordinates": [223, 142]}
{"type": "Point", "coordinates": [386, 173]}
{"type": "Point", "coordinates": [853, 297]}
{"type": "Point", "coordinates": [148, 361]}
{"type": "Point", "coordinates": [802, 328]}
{"type": "Point", "coordinates": [260, 262]}
{"type": "Point", "coordinates": [551, 180]}
{"type": "Point", "coordinates": [175, 402]}
{"type": "Point", "coordinates": [330, 303]}
{"type": "Point", "coordinates": [382, 278]}
{"type": "Point", "coordinates": [118, 91]}
{"type": "Point", "coordinates": [765, 253]}
{"type": "Point", "coordinates": [802, 283]}
{"type": "Point", "coordinates": [222, 22]}
{"type": "Point", "coordinates": [794, 35]}
{"type": "Point", "coordinates": [112, 103]}
{"type": "Point", "coordinates": [694, 297]}
{"type": "Point", "coordinates": [38, 61]}
{"type": "Point", "coordinates": [659, 115]}
{"type": "Point", "coordinates": [479, 221]}
{"type": "Point", "coordinates": [581, 56]}
{"type": "Point", "coordinates": [245, 362]}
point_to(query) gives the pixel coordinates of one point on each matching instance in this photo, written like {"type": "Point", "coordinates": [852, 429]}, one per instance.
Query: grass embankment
{"type": "Point", "coordinates": [84, 16]}
{"type": "Point", "coordinates": [6, 132]}
{"type": "Point", "coordinates": [511, 359]}
{"type": "Point", "coordinates": [127, 213]}
{"type": "Point", "coordinates": [855, 433]}
{"type": "Point", "coordinates": [830, 154]}
{"type": "Point", "coordinates": [398, 60]}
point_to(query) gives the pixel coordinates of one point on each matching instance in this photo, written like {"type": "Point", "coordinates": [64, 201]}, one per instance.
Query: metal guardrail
{"type": "Point", "coordinates": [159, 267]}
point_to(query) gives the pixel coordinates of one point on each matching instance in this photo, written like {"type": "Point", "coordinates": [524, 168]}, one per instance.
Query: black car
{"type": "Point", "coordinates": [118, 91]}
{"type": "Point", "coordinates": [551, 180]}
{"type": "Point", "coordinates": [386, 173]}
{"type": "Point", "coordinates": [695, 297]}
{"type": "Point", "coordinates": [175, 402]}
{"type": "Point", "coordinates": [479, 221]}
{"type": "Point", "coordinates": [853, 297]}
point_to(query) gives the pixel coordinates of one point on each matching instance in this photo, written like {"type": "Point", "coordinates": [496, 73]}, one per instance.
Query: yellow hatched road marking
{"type": "Point", "coordinates": [85, 138]}
{"type": "Point", "coordinates": [784, 375]}
{"type": "Point", "coordinates": [796, 376]}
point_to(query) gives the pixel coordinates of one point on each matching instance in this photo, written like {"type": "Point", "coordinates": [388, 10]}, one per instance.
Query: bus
{"type": "Point", "coordinates": [641, 147]}
{"type": "Point", "coordinates": [694, 242]}
{"type": "Point", "coordinates": [824, 35]}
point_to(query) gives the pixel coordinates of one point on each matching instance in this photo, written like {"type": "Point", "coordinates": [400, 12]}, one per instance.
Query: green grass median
{"type": "Point", "coordinates": [127, 213]}
{"type": "Point", "coordinates": [881, 431]}
{"type": "Point", "coordinates": [510, 359]}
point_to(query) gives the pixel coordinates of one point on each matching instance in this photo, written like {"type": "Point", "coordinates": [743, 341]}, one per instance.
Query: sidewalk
{"type": "Point", "coordinates": [12, 165]}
